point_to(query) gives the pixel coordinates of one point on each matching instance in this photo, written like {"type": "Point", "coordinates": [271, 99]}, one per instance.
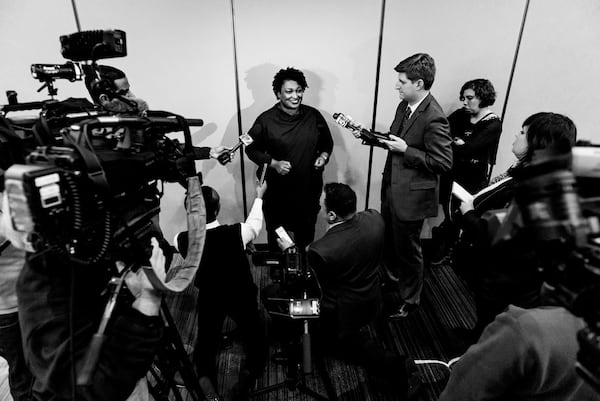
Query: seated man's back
{"type": "Point", "coordinates": [345, 261]}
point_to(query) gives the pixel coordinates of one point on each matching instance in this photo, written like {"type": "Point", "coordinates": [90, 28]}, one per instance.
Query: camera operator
{"type": "Point", "coordinates": [61, 303]}
{"type": "Point", "coordinates": [113, 93]}
{"type": "Point", "coordinates": [346, 261]}
{"type": "Point", "coordinates": [226, 288]}
{"type": "Point", "coordinates": [11, 261]}
{"type": "Point", "coordinates": [111, 90]}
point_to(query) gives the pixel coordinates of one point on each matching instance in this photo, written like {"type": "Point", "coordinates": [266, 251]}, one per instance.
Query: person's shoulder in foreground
{"type": "Point", "coordinates": [525, 354]}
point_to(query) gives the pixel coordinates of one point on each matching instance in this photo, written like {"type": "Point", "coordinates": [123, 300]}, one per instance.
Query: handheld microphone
{"type": "Point", "coordinates": [347, 122]}
{"type": "Point", "coordinates": [369, 137]}
{"type": "Point", "coordinates": [226, 157]}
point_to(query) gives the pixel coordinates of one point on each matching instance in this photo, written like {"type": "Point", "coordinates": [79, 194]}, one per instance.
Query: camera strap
{"type": "Point", "coordinates": [4, 245]}
{"type": "Point", "coordinates": [93, 167]}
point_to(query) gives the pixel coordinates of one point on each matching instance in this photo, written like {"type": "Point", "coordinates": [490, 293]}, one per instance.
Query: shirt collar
{"type": "Point", "coordinates": [213, 224]}
{"type": "Point", "coordinates": [414, 106]}
{"type": "Point", "coordinates": [330, 226]}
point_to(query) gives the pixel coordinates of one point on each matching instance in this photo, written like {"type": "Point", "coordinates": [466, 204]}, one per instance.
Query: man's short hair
{"type": "Point", "coordinates": [212, 202]}
{"type": "Point", "coordinates": [340, 199]}
{"type": "Point", "coordinates": [418, 66]}
{"type": "Point", "coordinates": [288, 74]}
{"type": "Point", "coordinates": [547, 130]}
{"type": "Point", "coordinates": [103, 83]}
{"type": "Point", "coordinates": [484, 90]}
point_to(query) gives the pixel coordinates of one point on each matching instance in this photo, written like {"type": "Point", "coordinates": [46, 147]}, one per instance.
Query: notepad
{"type": "Point", "coordinates": [461, 193]}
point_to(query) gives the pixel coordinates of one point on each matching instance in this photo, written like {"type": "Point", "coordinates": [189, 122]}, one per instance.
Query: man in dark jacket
{"type": "Point", "coordinates": [346, 262]}
{"type": "Point", "coordinates": [420, 149]}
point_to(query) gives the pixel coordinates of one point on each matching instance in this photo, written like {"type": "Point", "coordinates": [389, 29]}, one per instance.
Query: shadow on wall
{"type": "Point", "coordinates": [258, 80]}
{"type": "Point", "coordinates": [172, 213]}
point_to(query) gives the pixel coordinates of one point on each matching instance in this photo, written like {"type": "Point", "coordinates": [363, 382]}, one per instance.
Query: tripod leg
{"type": "Point", "coordinates": [163, 374]}
{"type": "Point", "coordinates": [178, 353]}
{"type": "Point", "coordinates": [159, 390]}
{"type": "Point", "coordinates": [304, 389]}
{"type": "Point", "coordinates": [327, 382]}
{"type": "Point", "coordinates": [268, 389]}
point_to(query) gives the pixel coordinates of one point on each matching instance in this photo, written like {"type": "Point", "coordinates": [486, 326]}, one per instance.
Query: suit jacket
{"type": "Point", "coordinates": [345, 261]}
{"type": "Point", "coordinates": [413, 176]}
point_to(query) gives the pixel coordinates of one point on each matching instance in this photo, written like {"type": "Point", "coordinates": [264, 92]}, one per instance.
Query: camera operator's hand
{"type": "Point", "coordinates": [282, 167]}
{"type": "Point", "coordinates": [284, 244]}
{"type": "Point", "coordinates": [222, 154]}
{"type": "Point", "coordinates": [218, 151]}
{"type": "Point", "coordinates": [147, 298]}
{"type": "Point", "coordinates": [261, 189]}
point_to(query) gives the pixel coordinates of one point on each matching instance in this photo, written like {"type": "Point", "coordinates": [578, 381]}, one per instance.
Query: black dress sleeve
{"type": "Point", "coordinates": [325, 141]}
{"type": "Point", "coordinates": [257, 150]}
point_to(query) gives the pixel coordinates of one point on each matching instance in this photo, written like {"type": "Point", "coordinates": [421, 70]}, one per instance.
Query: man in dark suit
{"type": "Point", "coordinates": [420, 149]}
{"type": "Point", "coordinates": [346, 262]}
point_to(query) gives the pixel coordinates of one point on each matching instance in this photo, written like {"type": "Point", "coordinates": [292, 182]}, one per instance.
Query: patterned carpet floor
{"type": "Point", "coordinates": [431, 333]}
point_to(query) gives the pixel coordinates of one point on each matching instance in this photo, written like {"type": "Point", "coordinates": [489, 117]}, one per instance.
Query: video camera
{"type": "Point", "coordinates": [92, 191]}
{"type": "Point", "coordinates": [293, 289]}
{"type": "Point", "coordinates": [559, 200]}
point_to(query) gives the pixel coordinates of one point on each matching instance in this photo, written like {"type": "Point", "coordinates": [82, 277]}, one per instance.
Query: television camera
{"type": "Point", "coordinates": [89, 186]}
{"type": "Point", "coordinates": [559, 200]}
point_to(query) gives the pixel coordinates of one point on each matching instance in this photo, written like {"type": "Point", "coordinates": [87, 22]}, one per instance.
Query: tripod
{"type": "Point", "coordinates": [298, 368]}
{"type": "Point", "coordinates": [171, 359]}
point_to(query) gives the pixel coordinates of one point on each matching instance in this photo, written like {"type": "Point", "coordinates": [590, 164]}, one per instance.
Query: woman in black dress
{"type": "Point", "coordinates": [476, 132]}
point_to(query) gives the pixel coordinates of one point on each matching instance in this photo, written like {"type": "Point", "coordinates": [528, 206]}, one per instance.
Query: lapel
{"type": "Point", "coordinates": [424, 104]}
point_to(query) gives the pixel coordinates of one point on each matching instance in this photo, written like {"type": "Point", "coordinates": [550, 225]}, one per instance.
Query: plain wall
{"type": "Point", "coordinates": [181, 59]}
{"type": "Point", "coordinates": [557, 70]}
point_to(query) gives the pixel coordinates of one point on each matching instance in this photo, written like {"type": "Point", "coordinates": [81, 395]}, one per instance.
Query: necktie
{"type": "Point", "coordinates": [405, 118]}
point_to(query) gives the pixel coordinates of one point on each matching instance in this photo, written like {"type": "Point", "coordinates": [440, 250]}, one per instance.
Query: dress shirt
{"type": "Point", "coordinates": [414, 106]}
{"type": "Point", "coordinates": [252, 226]}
